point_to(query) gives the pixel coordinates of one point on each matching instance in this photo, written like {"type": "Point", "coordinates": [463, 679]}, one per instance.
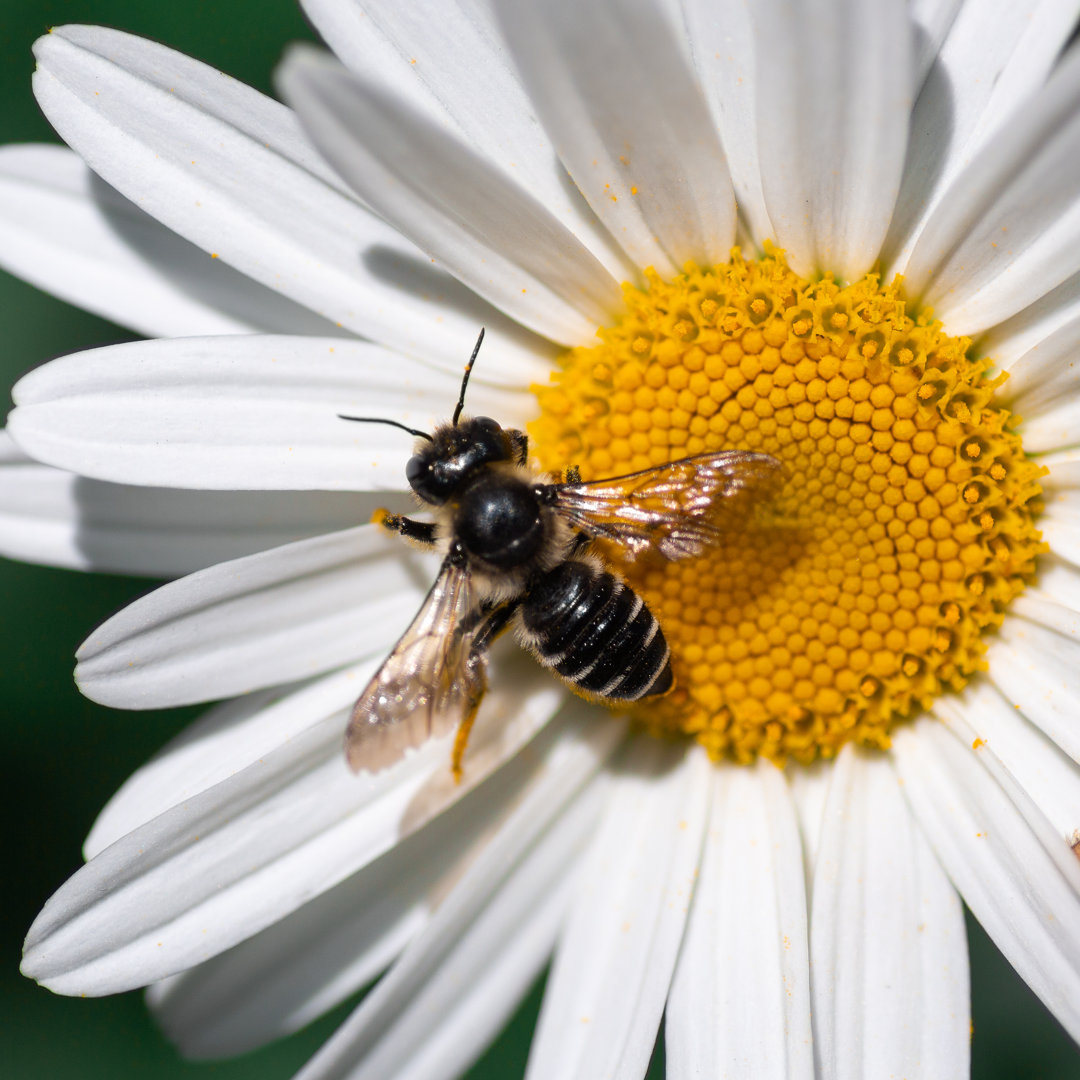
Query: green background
{"type": "Point", "coordinates": [65, 756]}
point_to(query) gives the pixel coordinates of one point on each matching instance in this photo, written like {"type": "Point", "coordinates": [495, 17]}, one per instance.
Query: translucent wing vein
{"type": "Point", "coordinates": [677, 510]}
{"type": "Point", "coordinates": [428, 684]}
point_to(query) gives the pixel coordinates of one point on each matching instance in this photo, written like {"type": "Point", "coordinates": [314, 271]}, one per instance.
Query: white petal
{"type": "Point", "coordinates": [298, 968]}
{"type": "Point", "coordinates": [740, 999]}
{"type": "Point", "coordinates": [810, 788]}
{"type": "Point", "coordinates": [228, 169]}
{"type": "Point", "coordinates": [66, 231]}
{"type": "Point", "coordinates": [1037, 669]}
{"type": "Point", "coordinates": [59, 519]}
{"type": "Point", "coordinates": [995, 54]}
{"type": "Point", "coordinates": [289, 974]}
{"type": "Point", "coordinates": [1019, 878]}
{"type": "Point", "coordinates": [487, 940]}
{"type": "Point", "coordinates": [465, 81]}
{"type": "Point", "coordinates": [221, 743]}
{"type": "Point", "coordinates": [721, 38]}
{"type": "Point", "coordinates": [610, 977]}
{"type": "Point", "coordinates": [1041, 607]}
{"type": "Point", "coordinates": [1008, 229]}
{"type": "Point", "coordinates": [614, 88]}
{"type": "Point", "coordinates": [1044, 372]}
{"type": "Point", "coordinates": [223, 865]}
{"type": "Point", "coordinates": [242, 412]}
{"type": "Point", "coordinates": [1060, 524]}
{"type": "Point", "coordinates": [473, 219]}
{"type": "Point", "coordinates": [1044, 390]}
{"type": "Point", "coordinates": [1058, 580]}
{"type": "Point", "coordinates": [1013, 750]}
{"type": "Point", "coordinates": [1063, 479]}
{"type": "Point", "coordinates": [888, 947]}
{"type": "Point", "coordinates": [832, 126]}
{"type": "Point", "coordinates": [281, 615]}
{"type": "Point", "coordinates": [1027, 329]}
{"type": "Point", "coordinates": [933, 20]}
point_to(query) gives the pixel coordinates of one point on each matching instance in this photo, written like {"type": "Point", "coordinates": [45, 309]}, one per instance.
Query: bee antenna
{"type": "Point", "coordinates": [468, 372]}
{"type": "Point", "coordinates": [392, 423]}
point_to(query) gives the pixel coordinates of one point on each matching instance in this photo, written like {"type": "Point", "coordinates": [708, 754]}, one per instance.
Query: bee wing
{"type": "Point", "coordinates": [428, 684]}
{"type": "Point", "coordinates": [677, 509]}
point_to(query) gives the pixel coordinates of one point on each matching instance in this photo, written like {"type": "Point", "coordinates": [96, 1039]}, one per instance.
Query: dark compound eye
{"type": "Point", "coordinates": [429, 477]}
{"type": "Point", "coordinates": [489, 438]}
{"type": "Point", "coordinates": [415, 469]}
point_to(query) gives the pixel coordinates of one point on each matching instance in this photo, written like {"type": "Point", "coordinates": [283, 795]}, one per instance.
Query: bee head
{"type": "Point", "coordinates": [443, 461]}
{"type": "Point", "coordinates": [440, 467]}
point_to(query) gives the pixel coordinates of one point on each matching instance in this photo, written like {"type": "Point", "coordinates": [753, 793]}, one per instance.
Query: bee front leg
{"type": "Point", "coordinates": [421, 533]}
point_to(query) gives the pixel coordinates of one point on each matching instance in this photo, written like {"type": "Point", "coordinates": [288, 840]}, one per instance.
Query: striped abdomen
{"type": "Point", "coordinates": [597, 633]}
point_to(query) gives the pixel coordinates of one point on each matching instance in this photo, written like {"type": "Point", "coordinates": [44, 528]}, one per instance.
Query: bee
{"type": "Point", "coordinates": [518, 551]}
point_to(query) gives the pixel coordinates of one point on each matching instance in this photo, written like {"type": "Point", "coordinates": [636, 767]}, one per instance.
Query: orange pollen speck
{"type": "Point", "coordinates": [903, 528]}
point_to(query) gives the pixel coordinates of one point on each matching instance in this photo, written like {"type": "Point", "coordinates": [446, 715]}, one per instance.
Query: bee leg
{"type": "Point", "coordinates": [461, 740]}
{"type": "Point", "coordinates": [419, 532]}
{"type": "Point", "coordinates": [492, 623]}
{"type": "Point", "coordinates": [573, 475]}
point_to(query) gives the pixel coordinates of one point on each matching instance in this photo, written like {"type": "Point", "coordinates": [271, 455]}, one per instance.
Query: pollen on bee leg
{"type": "Point", "coordinates": [461, 741]}
{"type": "Point", "coordinates": [904, 527]}
{"type": "Point", "coordinates": [422, 534]}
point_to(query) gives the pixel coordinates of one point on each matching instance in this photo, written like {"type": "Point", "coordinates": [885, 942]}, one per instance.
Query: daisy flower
{"type": "Point", "coordinates": [844, 234]}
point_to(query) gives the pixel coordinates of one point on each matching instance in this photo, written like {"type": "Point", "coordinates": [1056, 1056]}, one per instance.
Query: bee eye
{"type": "Point", "coordinates": [415, 468]}
{"type": "Point", "coordinates": [432, 478]}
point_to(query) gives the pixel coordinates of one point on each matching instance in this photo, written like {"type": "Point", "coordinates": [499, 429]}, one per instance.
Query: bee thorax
{"type": "Point", "coordinates": [499, 520]}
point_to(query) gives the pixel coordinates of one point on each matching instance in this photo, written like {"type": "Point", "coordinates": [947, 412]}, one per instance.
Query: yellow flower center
{"type": "Point", "coordinates": [902, 530]}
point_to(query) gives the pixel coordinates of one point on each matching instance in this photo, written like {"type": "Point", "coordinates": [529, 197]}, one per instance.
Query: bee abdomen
{"type": "Point", "coordinates": [597, 633]}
